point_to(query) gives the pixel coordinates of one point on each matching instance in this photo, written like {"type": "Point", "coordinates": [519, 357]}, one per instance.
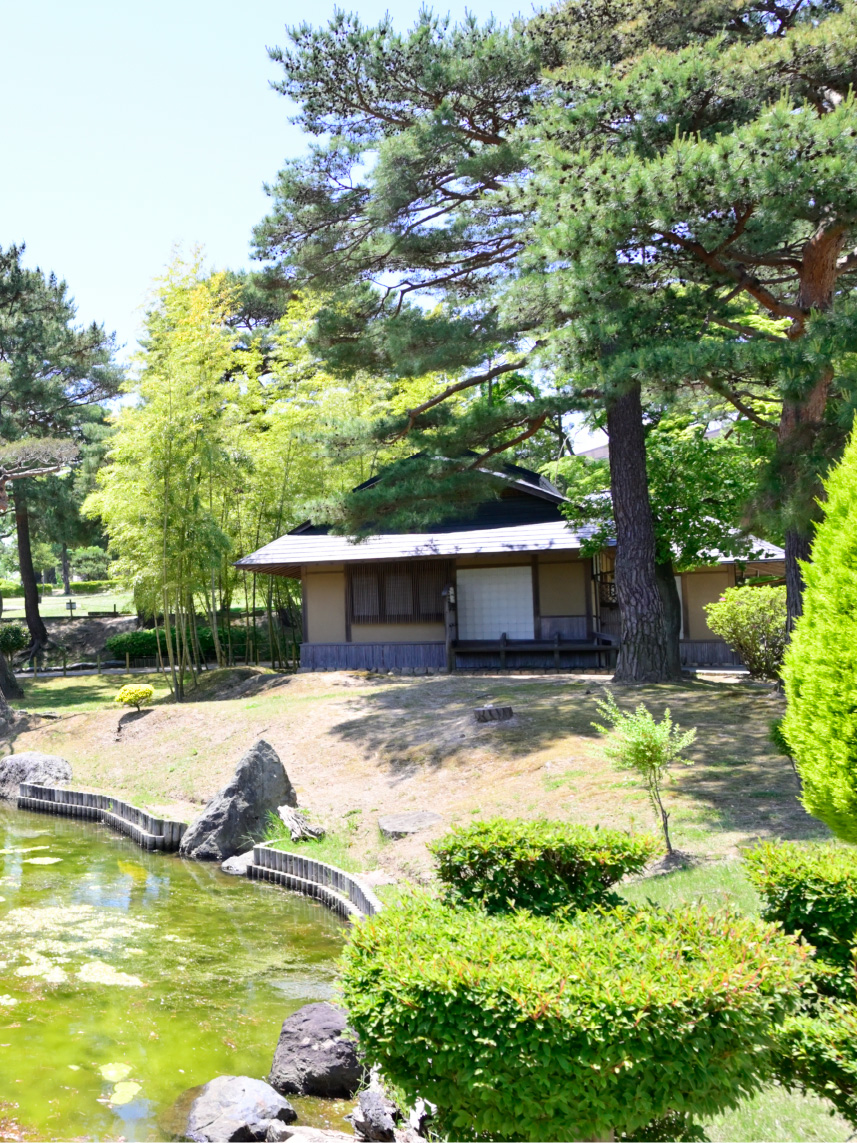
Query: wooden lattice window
{"type": "Point", "coordinates": [406, 591]}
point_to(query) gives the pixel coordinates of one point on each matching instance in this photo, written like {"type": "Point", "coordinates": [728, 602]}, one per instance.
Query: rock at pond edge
{"type": "Point", "coordinates": [236, 1108]}
{"type": "Point", "coordinates": [239, 812]}
{"type": "Point", "coordinates": [34, 767]}
{"type": "Point", "coordinates": [316, 1054]}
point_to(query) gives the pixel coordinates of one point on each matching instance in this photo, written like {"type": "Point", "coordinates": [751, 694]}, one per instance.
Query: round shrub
{"type": "Point", "coordinates": [13, 637]}
{"type": "Point", "coordinates": [135, 694]}
{"type": "Point", "coordinates": [521, 1027]}
{"type": "Point", "coordinates": [820, 670]}
{"type": "Point", "coordinates": [753, 621]}
{"type": "Point", "coordinates": [819, 1053]}
{"type": "Point", "coordinates": [538, 865]}
{"type": "Point", "coordinates": [811, 888]}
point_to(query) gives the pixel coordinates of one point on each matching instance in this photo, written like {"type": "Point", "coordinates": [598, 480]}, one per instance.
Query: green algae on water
{"type": "Point", "coordinates": [127, 978]}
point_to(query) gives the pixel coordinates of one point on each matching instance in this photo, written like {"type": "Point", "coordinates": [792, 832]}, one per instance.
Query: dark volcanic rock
{"type": "Point", "coordinates": [374, 1117]}
{"type": "Point", "coordinates": [40, 769]}
{"type": "Point", "coordinates": [317, 1054]}
{"type": "Point", "coordinates": [236, 1108]}
{"type": "Point", "coordinates": [237, 814]}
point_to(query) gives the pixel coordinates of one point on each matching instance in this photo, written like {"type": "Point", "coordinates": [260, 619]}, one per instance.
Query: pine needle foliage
{"type": "Point", "coordinates": [820, 670]}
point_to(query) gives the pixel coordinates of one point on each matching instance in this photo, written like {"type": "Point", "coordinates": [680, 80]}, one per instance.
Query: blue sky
{"type": "Point", "coordinates": [129, 129]}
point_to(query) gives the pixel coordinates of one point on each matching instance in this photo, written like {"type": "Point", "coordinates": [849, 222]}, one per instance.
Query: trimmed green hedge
{"type": "Point", "coordinates": [538, 865]}
{"type": "Point", "coordinates": [820, 1054]}
{"type": "Point", "coordinates": [9, 587]}
{"type": "Point", "coordinates": [521, 1027]}
{"type": "Point", "coordinates": [811, 888]}
{"type": "Point", "coordinates": [144, 643]}
{"type": "Point", "coordinates": [93, 586]}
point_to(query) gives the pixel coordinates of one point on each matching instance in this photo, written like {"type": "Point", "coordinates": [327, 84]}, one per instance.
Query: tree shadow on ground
{"type": "Point", "coordinates": [739, 785]}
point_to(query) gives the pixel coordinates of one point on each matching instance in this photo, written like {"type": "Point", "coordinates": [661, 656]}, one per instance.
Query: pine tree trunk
{"type": "Point", "coordinates": [35, 624]}
{"type": "Point", "coordinates": [802, 417]}
{"type": "Point", "coordinates": [644, 656]}
{"type": "Point", "coordinates": [66, 571]}
{"type": "Point", "coordinates": [9, 685]}
{"type": "Point", "coordinates": [665, 573]}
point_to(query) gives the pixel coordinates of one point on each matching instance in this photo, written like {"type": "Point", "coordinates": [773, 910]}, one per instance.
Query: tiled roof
{"type": "Point", "coordinates": [286, 555]}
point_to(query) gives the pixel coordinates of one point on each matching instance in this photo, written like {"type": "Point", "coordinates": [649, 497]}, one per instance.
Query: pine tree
{"type": "Point", "coordinates": [696, 210]}
{"type": "Point", "coordinates": [820, 669]}
{"type": "Point", "coordinates": [52, 372]}
{"type": "Point", "coordinates": [445, 115]}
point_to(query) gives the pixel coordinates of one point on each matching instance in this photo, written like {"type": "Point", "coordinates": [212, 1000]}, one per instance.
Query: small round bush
{"type": "Point", "coordinates": [13, 638]}
{"type": "Point", "coordinates": [538, 865]}
{"type": "Point", "coordinates": [753, 621]}
{"type": "Point", "coordinates": [135, 694]}
{"type": "Point", "coordinates": [522, 1027]}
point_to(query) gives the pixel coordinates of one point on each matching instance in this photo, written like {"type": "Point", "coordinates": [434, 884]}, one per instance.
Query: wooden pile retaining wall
{"type": "Point", "coordinates": [345, 894]}
{"type": "Point", "coordinates": [147, 831]}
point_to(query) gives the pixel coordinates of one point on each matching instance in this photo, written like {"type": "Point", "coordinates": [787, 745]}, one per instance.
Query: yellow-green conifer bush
{"type": "Point", "coordinates": [820, 670]}
{"type": "Point", "coordinates": [135, 694]}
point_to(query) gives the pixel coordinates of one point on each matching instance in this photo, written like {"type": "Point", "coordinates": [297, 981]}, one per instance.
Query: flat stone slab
{"type": "Point", "coordinates": [237, 865]}
{"type": "Point", "coordinates": [493, 713]}
{"type": "Point", "coordinates": [394, 826]}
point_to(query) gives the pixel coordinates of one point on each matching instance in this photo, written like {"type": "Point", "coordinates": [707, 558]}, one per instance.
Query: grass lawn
{"type": "Point", "coordinates": [77, 695]}
{"type": "Point", "coordinates": [54, 606]}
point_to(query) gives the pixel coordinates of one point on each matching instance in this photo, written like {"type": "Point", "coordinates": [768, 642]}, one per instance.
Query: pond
{"type": "Point", "coordinates": [128, 977]}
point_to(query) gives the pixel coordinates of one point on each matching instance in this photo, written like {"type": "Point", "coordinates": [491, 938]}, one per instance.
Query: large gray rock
{"type": "Point", "coordinates": [236, 1108]}
{"type": "Point", "coordinates": [238, 813]}
{"type": "Point", "coordinates": [317, 1054]}
{"type": "Point", "coordinates": [32, 766]}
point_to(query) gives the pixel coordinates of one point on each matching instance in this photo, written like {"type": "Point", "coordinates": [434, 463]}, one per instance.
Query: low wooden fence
{"type": "Point", "coordinates": [342, 892]}
{"type": "Point", "coordinates": [147, 831]}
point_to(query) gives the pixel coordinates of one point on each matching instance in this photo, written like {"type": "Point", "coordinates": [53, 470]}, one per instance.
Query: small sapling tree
{"type": "Point", "coordinates": [639, 742]}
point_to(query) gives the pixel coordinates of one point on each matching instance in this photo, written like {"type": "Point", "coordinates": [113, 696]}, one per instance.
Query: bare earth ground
{"type": "Point", "coordinates": [357, 747]}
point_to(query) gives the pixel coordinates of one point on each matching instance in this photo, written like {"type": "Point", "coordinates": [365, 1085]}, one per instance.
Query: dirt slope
{"type": "Point", "coordinates": [357, 747]}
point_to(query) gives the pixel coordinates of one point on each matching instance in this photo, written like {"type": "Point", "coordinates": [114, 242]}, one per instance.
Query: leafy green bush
{"type": "Point", "coordinates": [93, 586]}
{"type": "Point", "coordinates": [812, 889]}
{"type": "Point", "coordinates": [819, 1053]}
{"type": "Point", "coordinates": [753, 621]}
{"type": "Point", "coordinates": [540, 865]}
{"type": "Point", "coordinates": [521, 1027]}
{"type": "Point", "coordinates": [134, 643]}
{"type": "Point", "coordinates": [13, 637]}
{"type": "Point", "coordinates": [820, 670]}
{"type": "Point", "coordinates": [639, 742]}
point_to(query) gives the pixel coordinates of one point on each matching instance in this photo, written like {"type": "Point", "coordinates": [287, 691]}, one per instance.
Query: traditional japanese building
{"type": "Point", "coordinates": [507, 588]}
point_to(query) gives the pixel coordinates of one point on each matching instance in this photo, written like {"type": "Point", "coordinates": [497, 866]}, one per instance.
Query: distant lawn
{"type": "Point", "coordinates": [53, 606]}
{"type": "Point", "coordinates": [73, 695]}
